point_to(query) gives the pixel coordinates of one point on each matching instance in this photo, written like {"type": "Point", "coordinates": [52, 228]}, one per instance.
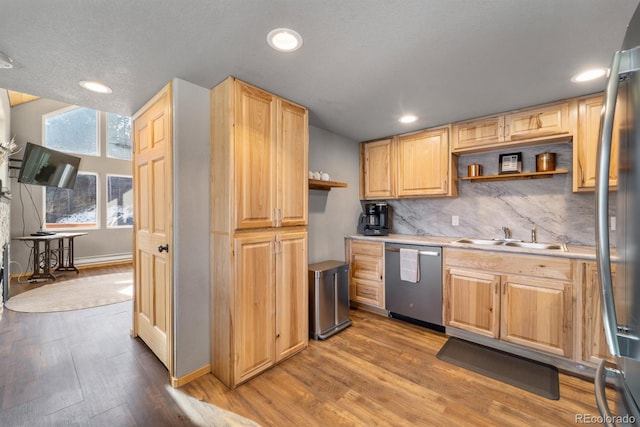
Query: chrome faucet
{"type": "Point", "coordinates": [507, 232]}
{"type": "Point", "coordinates": [534, 235]}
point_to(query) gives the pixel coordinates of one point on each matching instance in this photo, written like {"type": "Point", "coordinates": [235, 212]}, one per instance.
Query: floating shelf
{"type": "Point", "coordinates": [317, 184]}
{"type": "Point", "coordinates": [514, 176]}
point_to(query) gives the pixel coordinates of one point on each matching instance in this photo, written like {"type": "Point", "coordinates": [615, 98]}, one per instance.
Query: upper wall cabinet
{"type": "Point", "coordinates": [270, 160]}
{"type": "Point", "coordinates": [414, 165]}
{"type": "Point", "coordinates": [424, 164]}
{"type": "Point", "coordinates": [552, 122]}
{"type": "Point", "coordinates": [585, 146]}
{"type": "Point", "coordinates": [377, 169]}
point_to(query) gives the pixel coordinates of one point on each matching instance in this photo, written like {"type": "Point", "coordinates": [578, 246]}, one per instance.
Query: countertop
{"type": "Point", "coordinates": [573, 251]}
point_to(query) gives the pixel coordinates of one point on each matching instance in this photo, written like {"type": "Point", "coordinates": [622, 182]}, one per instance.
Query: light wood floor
{"type": "Point", "coordinates": [384, 371]}
{"type": "Point", "coordinates": [83, 368]}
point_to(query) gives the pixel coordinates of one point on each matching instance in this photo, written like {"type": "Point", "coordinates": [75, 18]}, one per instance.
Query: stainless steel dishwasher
{"type": "Point", "coordinates": [420, 301]}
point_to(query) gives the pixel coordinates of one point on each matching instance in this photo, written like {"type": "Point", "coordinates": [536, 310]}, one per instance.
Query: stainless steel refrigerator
{"type": "Point", "coordinates": [621, 315]}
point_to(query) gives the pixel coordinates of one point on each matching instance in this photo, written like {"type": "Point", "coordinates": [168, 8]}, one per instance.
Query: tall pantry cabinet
{"type": "Point", "coordinates": [259, 214]}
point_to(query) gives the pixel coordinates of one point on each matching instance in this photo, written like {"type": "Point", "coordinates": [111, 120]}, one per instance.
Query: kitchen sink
{"type": "Point", "coordinates": [516, 244]}
{"type": "Point", "coordinates": [480, 241]}
{"type": "Point", "coordinates": [532, 245]}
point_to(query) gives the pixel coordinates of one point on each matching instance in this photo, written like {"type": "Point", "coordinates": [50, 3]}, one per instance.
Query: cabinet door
{"type": "Point", "coordinates": [292, 319]}
{"type": "Point", "coordinates": [378, 170]}
{"type": "Point", "coordinates": [467, 136]}
{"type": "Point", "coordinates": [423, 163]}
{"type": "Point", "coordinates": [367, 267]}
{"type": "Point", "coordinates": [368, 292]}
{"type": "Point", "coordinates": [255, 157]}
{"type": "Point", "coordinates": [540, 122]}
{"type": "Point", "coordinates": [472, 301]}
{"type": "Point", "coordinates": [537, 313]}
{"type": "Point", "coordinates": [585, 146]}
{"type": "Point", "coordinates": [292, 164]}
{"type": "Point", "coordinates": [254, 303]}
{"type": "Point", "coordinates": [594, 342]}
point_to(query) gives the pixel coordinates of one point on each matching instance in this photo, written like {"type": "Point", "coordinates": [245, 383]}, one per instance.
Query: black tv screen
{"type": "Point", "coordinates": [51, 168]}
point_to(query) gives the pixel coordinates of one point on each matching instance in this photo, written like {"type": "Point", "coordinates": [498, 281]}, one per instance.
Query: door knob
{"type": "Point", "coordinates": [163, 248]}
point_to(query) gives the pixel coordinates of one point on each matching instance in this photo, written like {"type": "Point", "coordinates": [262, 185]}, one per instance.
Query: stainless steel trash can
{"type": "Point", "coordinates": [328, 298]}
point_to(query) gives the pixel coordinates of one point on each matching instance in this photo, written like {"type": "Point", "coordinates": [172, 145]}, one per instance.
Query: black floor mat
{"type": "Point", "coordinates": [529, 375]}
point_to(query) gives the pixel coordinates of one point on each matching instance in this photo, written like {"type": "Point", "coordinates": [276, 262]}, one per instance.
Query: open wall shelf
{"type": "Point", "coordinates": [514, 176]}
{"type": "Point", "coordinates": [317, 184]}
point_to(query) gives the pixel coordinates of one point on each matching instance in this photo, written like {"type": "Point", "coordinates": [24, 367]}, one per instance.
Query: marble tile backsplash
{"type": "Point", "coordinates": [483, 208]}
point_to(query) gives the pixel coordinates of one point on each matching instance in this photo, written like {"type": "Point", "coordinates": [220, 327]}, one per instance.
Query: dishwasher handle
{"type": "Point", "coordinates": [427, 253]}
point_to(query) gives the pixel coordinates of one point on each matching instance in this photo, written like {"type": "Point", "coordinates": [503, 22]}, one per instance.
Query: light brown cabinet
{"type": "Point", "coordinates": [537, 313]}
{"type": "Point", "coordinates": [521, 299]}
{"type": "Point", "coordinates": [259, 197]}
{"type": "Point", "coordinates": [269, 267]}
{"type": "Point", "coordinates": [472, 301]}
{"type": "Point", "coordinates": [546, 122]}
{"type": "Point", "coordinates": [424, 164]}
{"type": "Point", "coordinates": [366, 272]}
{"type": "Point", "coordinates": [413, 165]}
{"type": "Point", "coordinates": [594, 342]}
{"type": "Point", "coordinates": [271, 159]}
{"type": "Point", "coordinates": [585, 146]}
{"type": "Point", "coordinates": [378, 171]}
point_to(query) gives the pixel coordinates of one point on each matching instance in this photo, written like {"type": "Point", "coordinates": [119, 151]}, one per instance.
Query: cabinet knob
{"type": "Point", "coordinates": [164, 248]}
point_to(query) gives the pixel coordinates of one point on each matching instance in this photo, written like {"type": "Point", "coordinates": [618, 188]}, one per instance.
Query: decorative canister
{"type": "Point", "coordinates": [474, 169]}
{"type": "Point", "coordinates": [546, 162]}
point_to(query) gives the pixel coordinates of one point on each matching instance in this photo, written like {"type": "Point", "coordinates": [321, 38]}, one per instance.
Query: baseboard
{"type": "Point", "coordinates": [103, 260]}
{"type": "Point", "coordinates": [179, 382]}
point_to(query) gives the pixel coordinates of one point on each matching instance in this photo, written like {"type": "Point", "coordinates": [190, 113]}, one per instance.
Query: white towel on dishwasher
{"type": "Point", "coordinates": [409, 266]}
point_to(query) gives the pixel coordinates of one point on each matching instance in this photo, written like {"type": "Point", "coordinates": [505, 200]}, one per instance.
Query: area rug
{"type": "Point", "coordinates": [75, 294]}
{"type": "Point", "coordinates": [529, 375]}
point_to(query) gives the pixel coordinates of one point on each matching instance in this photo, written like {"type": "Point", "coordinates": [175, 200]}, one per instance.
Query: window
{"type": "Point", "coordinates": [74, 130]}
{"type": "Point", "coordinates": [103, 142]}
{"type": "Point", "coordinates": [118, 136]}
{"type": "Point", "coordinates": [75, 208]}
{"type": "Point", "coordinates": [119, 201]}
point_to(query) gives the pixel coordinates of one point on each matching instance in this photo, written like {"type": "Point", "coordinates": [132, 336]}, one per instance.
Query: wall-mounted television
{"type": "Point", "coordinates": [51, 168]}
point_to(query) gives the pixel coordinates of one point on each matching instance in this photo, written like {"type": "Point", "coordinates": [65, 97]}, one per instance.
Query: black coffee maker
{"type": "Point", "coordinates": [375, 219]}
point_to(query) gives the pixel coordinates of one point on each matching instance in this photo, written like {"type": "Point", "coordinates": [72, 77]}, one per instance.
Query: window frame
{"type": "Point", "coordinates": [64, 227]}
{"type": "Point", "coordinates": [106, 199]}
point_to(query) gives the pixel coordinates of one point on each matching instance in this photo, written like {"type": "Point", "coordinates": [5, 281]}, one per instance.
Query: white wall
{"type": "Point", "coordinates": [333, 214]}
{"type": "Point", "coordinates": [99, 245]}
{"type": "Point", "coordinates": [191, 258]}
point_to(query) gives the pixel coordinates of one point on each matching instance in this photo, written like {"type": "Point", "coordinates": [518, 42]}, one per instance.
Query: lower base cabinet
{"type": "Point", "coordinates": [533, 308]}
{"type": "Point", "coordinates": [594, 342]}
{"type": "Point", "coordinates": [265, 306]}
{"type": "Point", "coordinates": [366, 272]}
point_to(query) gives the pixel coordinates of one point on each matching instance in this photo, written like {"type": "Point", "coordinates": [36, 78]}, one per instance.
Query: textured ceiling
{"type": "Point", "coordinates": [363, 62]}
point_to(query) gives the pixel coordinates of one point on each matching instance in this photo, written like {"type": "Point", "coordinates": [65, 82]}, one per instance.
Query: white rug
{"type": "Point", "coordinates": [75, 294]}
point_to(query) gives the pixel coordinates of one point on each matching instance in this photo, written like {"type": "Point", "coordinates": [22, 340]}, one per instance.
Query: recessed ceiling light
{"type": "Point", "coordinates": [589, 75]}
{"type": "Point", "coordinates": [95, 86]}
{"type": "Point", "coordinates": [407, 119]}
{"type": "Point", "coordinates": [284, 40]}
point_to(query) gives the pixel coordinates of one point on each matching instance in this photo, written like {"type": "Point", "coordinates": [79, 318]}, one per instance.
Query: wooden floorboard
{"type": "Point", "coordinates": [83, 368]}
{"type": "Point", "coordinates": [383, 371]}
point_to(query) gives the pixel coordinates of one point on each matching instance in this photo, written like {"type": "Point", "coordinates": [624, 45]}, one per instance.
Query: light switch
{"type": "Point", "coordinates": [613, 223]}
{"type": "Point", "coordinates": [455, 220]}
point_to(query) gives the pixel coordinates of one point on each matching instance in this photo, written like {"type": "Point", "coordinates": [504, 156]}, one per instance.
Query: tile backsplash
{"type": "Point", "coordinates": [483, 208]}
